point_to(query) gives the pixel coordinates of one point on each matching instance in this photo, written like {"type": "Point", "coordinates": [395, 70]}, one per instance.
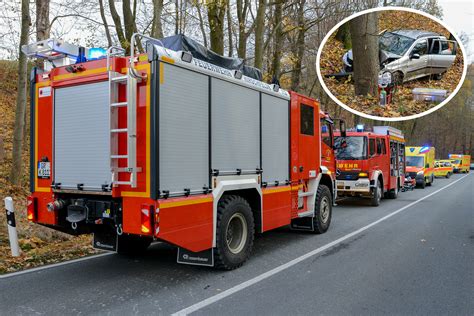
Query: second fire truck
{"type": "Point", "coordinates": [371, 164]}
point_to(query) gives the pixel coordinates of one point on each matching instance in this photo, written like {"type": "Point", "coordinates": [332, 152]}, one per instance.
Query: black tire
{"type": "Point", "coordinates": [377, 194]}
{"type": "Point", "coordinates": [132, 245]}
{"type": "Point", "coordinates": [233, 213]}
{"type": "Point", "coordinates": [423, 184]}
{"type": "Point", "coordinates": [322, 210]}
{"type": "Point", "coordinates": [393, 193]}
{"type": "Point", "coordinates": [448, 175]}
{"type": "Point", "coordinates": [431, 181]}
{"type": "Point", "coordinates": [437, 76]}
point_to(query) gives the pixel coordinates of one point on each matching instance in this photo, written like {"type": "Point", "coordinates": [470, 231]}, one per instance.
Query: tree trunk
{"type": "Point", "coordinates": [104, 20]}
{"type": "Point", "coordinates": [298, 50]}
{"type": "Point", "coordinates": [216, 13]}
{"type": "Point", "coordinates": [157, 28]}
{"type": "Point", "coordinates": [197, 4]}
{"type": "Point", "coordinates": [365, 52]}
{"type": "Point", "coordinates": [16, 171]}
{"type": "Point", "coordinates": [229, 31]}
{"type": "Point", "coordinates": [118, 26]}
{"type": "Point", "coordinates": [259, 33]}
{"type": "Point", "coordinates": [343, 35]}
{"type": "Point", "coordinates": [242, 9]}
{"type": "Point", "coordinates": [42, 20]}
{"type": "Point", "coordinates": [277, 40]}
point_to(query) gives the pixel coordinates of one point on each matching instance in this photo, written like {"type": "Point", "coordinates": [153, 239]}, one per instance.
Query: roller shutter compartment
{"type": "Point", "coordinates": [81, 136]}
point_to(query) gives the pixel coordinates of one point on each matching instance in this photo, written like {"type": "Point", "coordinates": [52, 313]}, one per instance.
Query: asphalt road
{"type": "Point", "coordinates": [407, 256]}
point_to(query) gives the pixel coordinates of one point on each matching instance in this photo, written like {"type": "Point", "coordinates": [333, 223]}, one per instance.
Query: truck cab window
{"type": "Point", "coordinates": [384, 148]}
{"type": "Point", "coordinates": [307, 120]}
{"type": "Point", "coordinates": [326, 133]}
{"type": "Point", "coordinates": [379, 146]}
{"type": "Point", "coordinates": [371, 147]}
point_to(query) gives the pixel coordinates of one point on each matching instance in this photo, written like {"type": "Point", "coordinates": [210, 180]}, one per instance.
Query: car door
{"type": "Point", "coordinates": [417, 63]}
{"type": "Point", "coordinates": [442, 55]}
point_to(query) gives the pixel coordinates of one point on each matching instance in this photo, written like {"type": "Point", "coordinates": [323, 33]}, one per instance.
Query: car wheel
{"type": "Point", "coordinates": [438, 76]}
{"type": "Point", "coordinates": [448, 175]}
{"type": "Point", "coordinates": [422, 184]}
{"type": "Point", "coordinates": [393, 193]}
{"type": "Point", "coordinates": [322, 210]}
{"type": "Point", "coordinates": [234, 232]}
{"type": "Point", "coordinates": [377, 194]}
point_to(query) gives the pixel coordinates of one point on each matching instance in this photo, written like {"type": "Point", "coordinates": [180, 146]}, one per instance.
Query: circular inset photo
{"type": "Point", "coordinates": [391, 64]}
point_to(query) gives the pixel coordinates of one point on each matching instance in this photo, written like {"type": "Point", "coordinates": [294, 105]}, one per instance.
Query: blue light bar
{"type": "Point", "coordinates": [360, 127]}
{"type": "Point", "coordinates": [424, 149]}
{"type": "Point", "coordinates": [96, 53]}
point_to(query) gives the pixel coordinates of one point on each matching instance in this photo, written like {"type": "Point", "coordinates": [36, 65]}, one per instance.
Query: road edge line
{"type": "Point", "coordinates": [54, 265]}
{"type": "Point", "coordinates": [215, 298]}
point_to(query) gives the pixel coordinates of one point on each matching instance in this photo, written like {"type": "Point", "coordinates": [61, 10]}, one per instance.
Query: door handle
{"type": "Point", "coordinates": [301, 168]}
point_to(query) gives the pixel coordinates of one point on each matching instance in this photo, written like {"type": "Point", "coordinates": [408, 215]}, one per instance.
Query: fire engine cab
{"type": "Point", "coordinates": [370, 163]}
{"type": "Point", "coordinates": [170, 147]}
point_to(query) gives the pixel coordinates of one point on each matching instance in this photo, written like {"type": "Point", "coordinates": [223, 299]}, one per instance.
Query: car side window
{"type": "Point", "coordinates": [420, 48]}
{"type": "Point", "coordinates": [371, 146]}
{"type": "Point", "coordinates": [435, 47]}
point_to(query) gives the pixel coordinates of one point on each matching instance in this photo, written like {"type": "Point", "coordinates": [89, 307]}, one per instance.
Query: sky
{"type": "Point", "coordinates": [459, 16]}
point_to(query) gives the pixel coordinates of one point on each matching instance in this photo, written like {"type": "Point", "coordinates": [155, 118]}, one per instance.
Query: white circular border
{"type": "Point", "coordinates": [381, 118]}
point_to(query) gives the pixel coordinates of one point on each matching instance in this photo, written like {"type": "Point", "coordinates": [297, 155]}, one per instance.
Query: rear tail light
{"type": "Point", "coordinates": [31, 209]}
{"type": "Point", "coordinates": [146, 218]}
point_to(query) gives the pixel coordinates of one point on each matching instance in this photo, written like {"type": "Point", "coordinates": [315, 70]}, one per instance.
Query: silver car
{"type": "Point", "coordinates": [412, 54]}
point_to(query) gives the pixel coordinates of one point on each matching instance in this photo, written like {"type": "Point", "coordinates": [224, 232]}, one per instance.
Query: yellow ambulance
{"type": "Point", "coordinates": [443, 168]}
{"type": "Point", "coordinates": [460, 162]}
{"type": "Point", "coordinates": [420, 164]}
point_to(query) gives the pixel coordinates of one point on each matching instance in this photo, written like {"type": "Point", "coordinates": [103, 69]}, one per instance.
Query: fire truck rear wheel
{"type": "Point", "coordinates": [132, 245]}
{"type": "Point", "coordinates": [377, 194]}
{"type": "Point", "coordinates": [234, 232]}
{"type": "Point", "coordinates": [322, 210]}
{"type": "Point", "coordinates": [393, 193]}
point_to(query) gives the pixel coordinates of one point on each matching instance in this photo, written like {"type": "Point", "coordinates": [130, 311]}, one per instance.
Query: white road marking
{"type": "Point", "coordinates": [263, 276]}
{"type": "Point", "coordinates": [55, 265]}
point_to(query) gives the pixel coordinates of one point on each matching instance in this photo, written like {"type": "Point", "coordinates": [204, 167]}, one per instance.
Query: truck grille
{"type": "Point", "coordinates": [348, 175]}
{"type": "Point", "coordinates": [411, 174]}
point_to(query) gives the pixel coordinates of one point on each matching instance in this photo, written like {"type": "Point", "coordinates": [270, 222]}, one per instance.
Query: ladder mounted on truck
{"type": "Point", "coordinates": [130, 156]}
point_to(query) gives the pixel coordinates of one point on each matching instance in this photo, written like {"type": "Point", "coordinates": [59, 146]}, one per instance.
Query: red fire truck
{"type": "Point", "coordinates": [371, 164]}
{"type": "Point", "coordinates": [165, 146]}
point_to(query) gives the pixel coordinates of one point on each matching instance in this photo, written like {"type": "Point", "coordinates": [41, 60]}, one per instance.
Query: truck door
{"type": "Point", "coordinates": [327, 144]}
{"type": "Point", "coordinates": [308, 146]}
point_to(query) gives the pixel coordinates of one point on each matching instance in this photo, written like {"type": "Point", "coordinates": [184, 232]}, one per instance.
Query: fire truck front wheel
{"type": "Point", "coordinates": [377, 194]}
{"type": "Point", "coordinates": [234, 232]}
{"type": "Point", "coordinates": [323, 210]}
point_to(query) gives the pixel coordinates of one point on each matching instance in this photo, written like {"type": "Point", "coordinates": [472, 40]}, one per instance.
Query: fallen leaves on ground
{"type": "Point", "coordinates": [39, 245]}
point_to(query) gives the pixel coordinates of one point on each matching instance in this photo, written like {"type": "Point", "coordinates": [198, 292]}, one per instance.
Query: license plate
{"type": "Point", "coordinates": [44, 170]}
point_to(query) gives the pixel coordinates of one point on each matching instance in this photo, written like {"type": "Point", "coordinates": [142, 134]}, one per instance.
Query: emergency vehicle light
{"type": "Point", "coordinates": [424, 149]}
{"type": "Point", "coordinates": [96, 53]}
{"type": "Point", "coordinates": [363, 174]}
{"type": "Point", "coordinates": [360, 127]}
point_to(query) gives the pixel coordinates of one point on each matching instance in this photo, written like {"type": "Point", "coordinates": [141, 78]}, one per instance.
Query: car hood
{"type": "Point", "coordinates": [383, 56]}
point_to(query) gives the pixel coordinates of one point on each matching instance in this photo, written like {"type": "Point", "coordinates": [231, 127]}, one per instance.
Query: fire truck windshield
{"type": "Point", "coordinates": [356, 148]}
{"type": "Point", "coordinates": [415, 161]}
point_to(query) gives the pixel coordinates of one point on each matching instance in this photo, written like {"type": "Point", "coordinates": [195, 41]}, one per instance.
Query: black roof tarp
{"type": "Point", "coordinates": [184, 43]}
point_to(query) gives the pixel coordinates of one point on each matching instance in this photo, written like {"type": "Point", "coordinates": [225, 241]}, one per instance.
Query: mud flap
{"type": "Point", "coordinates": [202, 258]}
{"type": "Point", "coordinates": [302, 223]}
{"type": "Point", "coordinates": [105, 240]}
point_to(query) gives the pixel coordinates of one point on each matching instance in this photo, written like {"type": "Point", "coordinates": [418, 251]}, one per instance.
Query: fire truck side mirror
{"type": "Point", "coordinates": [342, 128]}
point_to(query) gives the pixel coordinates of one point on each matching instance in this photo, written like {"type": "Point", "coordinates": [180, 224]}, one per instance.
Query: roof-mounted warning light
{"type": "Point", "coordinates": [359, 127]}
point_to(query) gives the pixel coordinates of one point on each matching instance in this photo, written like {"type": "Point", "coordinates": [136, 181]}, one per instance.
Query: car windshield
{"type": "Point", "coordinates": [447, 164]}
{"type": "Point", "coordinates": [356, 148]}
{"type": "Point", "coordinates": [457, 161]}
{"type": "Point", "coordinates": [414, 161]}
{"type": "Point", "coordinates": [394, 43]}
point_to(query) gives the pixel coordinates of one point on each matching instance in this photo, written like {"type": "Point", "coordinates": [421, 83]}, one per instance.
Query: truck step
{"type": "Point", "coordinates": [306, 214]}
